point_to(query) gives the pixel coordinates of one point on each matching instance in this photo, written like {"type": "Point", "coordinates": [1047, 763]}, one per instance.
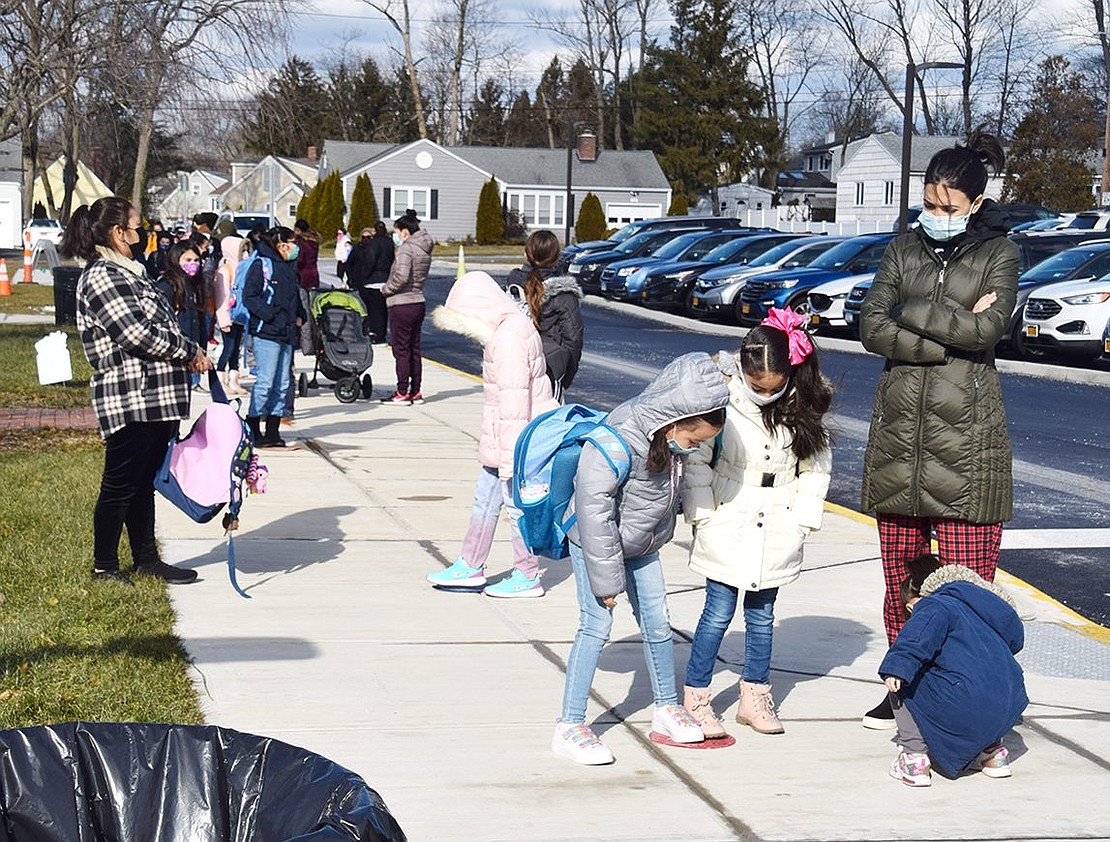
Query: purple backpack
{"type": "Point", "coordinates": [206, 470]}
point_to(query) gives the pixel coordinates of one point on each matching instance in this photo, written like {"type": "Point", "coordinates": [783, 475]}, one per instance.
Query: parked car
{"type": "Point", "coordinates": [247, 221]}
{"type": "Point", "coordinates": [674, 223]}
{"type": "Point", "coordinates": [1085, 262]}
{"type": "Point", "coordinates": [1106, 342]}
{"type": "Point", "coordinates": [1018, 213]}
{"type": "Point", "coordinates": [1044, 224]}
{"type": "Point", "coordinates": [1093, 220]}
{"type": "Point", "coordinates": [1035, 246]}
{"type": "Point", "coordinates": [44, 229]}
{"type": "Point", "coordinates": [853, 303]}
{"type": "Point", "coordinates": [669, 285]}
{"type": "Point", "coordinates": [716, 292]}
{"type": "Point", "coordinates": [789, 288]}
{"type": "Point", "coordinates": [1068, 318]}
{"type": "Point", "coordinates": [588, 265]}
{"type": "Point", "coordinates": [826, 302]}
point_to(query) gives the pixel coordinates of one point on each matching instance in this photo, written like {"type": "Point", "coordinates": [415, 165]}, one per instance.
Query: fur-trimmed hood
{"type": "Point", "coordinates": [559, 284]}
{"type": "Point", "coordinates": [958, 573]}
{"type": "Point", "coordinates": [475, 307]}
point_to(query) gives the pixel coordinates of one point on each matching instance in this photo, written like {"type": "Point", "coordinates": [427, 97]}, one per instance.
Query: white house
{"type": "Point", "coordinates": [193, 192]}
{"type": "Point", "coordinates": [442, 184]}
{"type": "Point", "coordinates": [867, 184]}
{"type": "Point", "coordinates": [11, 193]}
{"type": "Point", "coordinates": [275, 184]}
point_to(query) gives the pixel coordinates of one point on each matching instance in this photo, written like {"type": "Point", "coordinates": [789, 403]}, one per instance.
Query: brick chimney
{"type": "Point", "coordinates": [311, 154]}
{"type": "Point", "coordinates": [587, 147]}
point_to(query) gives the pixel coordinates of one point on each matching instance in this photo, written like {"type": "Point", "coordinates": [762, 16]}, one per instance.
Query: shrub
{"type": "Point", "coordinates": [679, 205]}
{"type": "Point", "coordinates": [590, 224]}
{"type": "Point", "coordinates": [489, 227]}
{"type": "Point", "coordinates": [364, 208]}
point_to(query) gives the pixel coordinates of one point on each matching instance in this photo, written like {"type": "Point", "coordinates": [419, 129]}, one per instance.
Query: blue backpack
{"type": "Point", "coordinates": [236, 308]}
{"type": "Point", "coordinates": [545, 461]}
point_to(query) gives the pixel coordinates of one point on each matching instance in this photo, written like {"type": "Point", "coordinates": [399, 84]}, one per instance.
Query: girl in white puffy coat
{"type": "Point", "coordinates": [753, 497]}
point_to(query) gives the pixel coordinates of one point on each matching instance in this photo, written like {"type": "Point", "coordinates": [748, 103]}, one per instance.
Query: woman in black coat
{"type": "Point", "coordinates": [380, 261]}
{"type": "Point", "coordinates": [553, 302]}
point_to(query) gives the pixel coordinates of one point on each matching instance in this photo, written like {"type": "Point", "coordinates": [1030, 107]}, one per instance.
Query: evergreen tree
{"type": "Point", "coordinates": [591, 224]}
{"type": "Point", "coordinates": [304, 207]}
{"type": "Point", "coordinates": [1053, 142]}
{"type": "Point", "coordinates": [701, 114]}
{"type": "Point", "coordinates": [489, 227]}
{"type": "Point", "coordinates": [364, 209]}
{"type": "Point", "coordinates": [679, 205]}
{"type": "Point", "coordinates": [332, 209]}
{"type": "Point", "coordinates": [291, 114]}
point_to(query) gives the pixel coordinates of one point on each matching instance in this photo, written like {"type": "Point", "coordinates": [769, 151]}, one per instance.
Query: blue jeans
{"type": "Point", "coordinates": [647, 593]}
{"type": "Point", "coordinates": [720, 608]}
{"type": "Point", "coordinates": [272, 361]}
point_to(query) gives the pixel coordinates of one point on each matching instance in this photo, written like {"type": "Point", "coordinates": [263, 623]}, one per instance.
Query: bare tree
{"type": "Point", "coordinates": [1098, 7]}
{"type": "Point", "coordinates": [403, 26]}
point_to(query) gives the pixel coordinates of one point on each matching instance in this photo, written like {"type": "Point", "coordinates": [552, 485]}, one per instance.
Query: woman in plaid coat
{"type": "Point", "coordinates": [140, 383]}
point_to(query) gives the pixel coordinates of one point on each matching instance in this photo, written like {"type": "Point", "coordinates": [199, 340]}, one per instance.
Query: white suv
{"type": "Point", "coordinates": [1068, 317]}
{"type": "Point", "coordinates": [44, 229]}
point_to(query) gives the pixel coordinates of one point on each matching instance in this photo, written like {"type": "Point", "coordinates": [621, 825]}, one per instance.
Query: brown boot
{"type": "Point", "coordinates": [757, 709]}
{"type": "Point", "coordinates": [696, 702]}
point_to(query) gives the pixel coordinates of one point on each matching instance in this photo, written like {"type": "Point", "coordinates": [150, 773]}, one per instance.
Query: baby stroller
{"type": "Point", "coordinates": [342, 347]}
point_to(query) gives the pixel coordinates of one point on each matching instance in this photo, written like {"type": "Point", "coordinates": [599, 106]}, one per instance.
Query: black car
{"type": "Point", "coordinates": [677, 223]}
{"type": "Point", "coordinates": [670, 286]}
{"type": "Point", "coordinates": [588, 265]}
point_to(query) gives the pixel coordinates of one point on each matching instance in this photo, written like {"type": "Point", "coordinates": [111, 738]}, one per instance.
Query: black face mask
{"type": "Point", "coordinates": [163, 247]}
{"type": "Point", "coordinates": [365, 240]}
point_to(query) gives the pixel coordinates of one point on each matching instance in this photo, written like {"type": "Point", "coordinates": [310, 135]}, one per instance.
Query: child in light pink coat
{"type": "Point", "coordinates": [516, 389]}
{"type": "Point", "coordinates": [231, 333]}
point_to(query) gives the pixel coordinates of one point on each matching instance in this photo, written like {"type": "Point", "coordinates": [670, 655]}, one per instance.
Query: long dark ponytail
{"type": "Point", "coordinates": [802, 410]}
{"type": "Point", "coordinates": [542, 252]}
{"type": "Point", "coordinates": [90, 227]}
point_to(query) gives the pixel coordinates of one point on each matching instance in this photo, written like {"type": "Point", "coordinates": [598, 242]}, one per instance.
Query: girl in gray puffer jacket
{"type": "Point", "coordinates": [616, 538]}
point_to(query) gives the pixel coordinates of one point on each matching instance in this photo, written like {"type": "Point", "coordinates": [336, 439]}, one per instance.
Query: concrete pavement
{"type": "Point", "coordinates": [445, 703]}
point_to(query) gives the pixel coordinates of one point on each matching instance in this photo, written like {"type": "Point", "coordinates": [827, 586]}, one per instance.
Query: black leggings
{"type": "Point", "coordinates": [132, 457]}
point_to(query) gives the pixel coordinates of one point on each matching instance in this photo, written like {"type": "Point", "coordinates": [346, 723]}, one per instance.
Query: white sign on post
{"type": "Point", "coordinates": [52, 359]}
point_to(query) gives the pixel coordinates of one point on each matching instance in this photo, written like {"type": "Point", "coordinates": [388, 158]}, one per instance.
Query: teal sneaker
{"type": "Point", "coordinates": [517, 585]}
{"type": "Point", "coordinates": [458, 575]}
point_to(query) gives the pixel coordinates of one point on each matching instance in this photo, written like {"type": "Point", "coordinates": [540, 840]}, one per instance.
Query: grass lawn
{"type": "Point", "coordinates": [513, 250]}
{"type": "Point", "coordinates": [71, 648]}
{"type": "Point", "coordinates": [27, 299]}
{"type": "Point", "coordinates": [19, 383]}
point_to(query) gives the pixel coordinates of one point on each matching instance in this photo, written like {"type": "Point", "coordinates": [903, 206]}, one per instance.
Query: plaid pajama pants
{"type": "Point", "coordinates": [903, 538]}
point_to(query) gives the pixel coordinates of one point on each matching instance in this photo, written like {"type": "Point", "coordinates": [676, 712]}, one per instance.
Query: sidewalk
{"type": "Point", "coordinates": [445, 703]}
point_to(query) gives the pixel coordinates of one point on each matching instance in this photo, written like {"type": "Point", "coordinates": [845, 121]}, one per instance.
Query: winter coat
{"type": "Point", "coordinates": [747, 534]}
{"type": "Point", "coordinates": [190, 318]}
{"type": "Point", "coordinates": [614, 522]}
{"type": "Point", "coordinates": [307, 271]}
{"type": "Point", "coordinates": [225, 279]}
{"type": "Point", "coordinates": [955, 657]}
{"type": "Point", "coordinates": [381, 260]}
{"type": "Point", "coordinates": [358, 265]}
{"type": "Point", "coordinates": [560, 322]}
{"type": "Point", "coordinates": [514, 383]}
{"type": "Point", "coordinates": [410, 269]}
{"type": "Point", "coordinates": [274, 305]}
{"type": "Point", "coordinates": [938, 445]}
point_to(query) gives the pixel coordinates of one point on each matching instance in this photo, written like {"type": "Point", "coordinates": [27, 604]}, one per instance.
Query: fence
{"type": "Point", "coordinates": [780, 218]}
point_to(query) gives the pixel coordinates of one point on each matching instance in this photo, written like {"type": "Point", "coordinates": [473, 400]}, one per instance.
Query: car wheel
{"type": "Point", "coordinates": [347, 390]}
{"type": "Point", "coordinates": [302, 385]}
{"type": "Point", "coordinates": [799, 304]}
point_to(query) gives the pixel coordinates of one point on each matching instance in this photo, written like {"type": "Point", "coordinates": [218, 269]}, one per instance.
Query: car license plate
{"type": "Point", "coordinates": [745, 308]}
{"type": "Point", "coordinates": [603, 285]}
{"type": "Point", "coordinates": [575, 268]}
{"type": "Point", "coordinates": [849, 318]}
{"type": "Point", "coordinates": [695, 301]}
{"type": "Point", "coordinates": [1032, 331]}
{"type": "Point", "coordinates": [1106, 346]}
{"type": "Point", "coordinates": [815, 319]}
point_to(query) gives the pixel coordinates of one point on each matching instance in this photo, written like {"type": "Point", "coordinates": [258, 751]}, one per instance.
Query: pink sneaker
{"type": "Point", "coordinates": [912, 769]}
{"type": "Point", "coordinates": [397, 397]}
{"type": "Point", "coordinates": [994, 762]}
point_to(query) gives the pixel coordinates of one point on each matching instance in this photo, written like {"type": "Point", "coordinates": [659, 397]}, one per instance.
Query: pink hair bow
{"type": "Point", "coordinates": [791, 323]}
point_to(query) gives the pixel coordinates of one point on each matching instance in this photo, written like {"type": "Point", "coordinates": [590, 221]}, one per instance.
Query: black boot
{"type": "Point", "coordinates": [272, 438]}
{"type": "Point", "coordinates": [253, 424]}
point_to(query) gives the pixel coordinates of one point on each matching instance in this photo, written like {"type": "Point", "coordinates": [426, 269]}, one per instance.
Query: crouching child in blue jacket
{"type": "Point", "coordinates": [954, 684]}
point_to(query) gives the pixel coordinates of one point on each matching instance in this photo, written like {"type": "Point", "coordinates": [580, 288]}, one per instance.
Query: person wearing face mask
{"type": "Point", "coordinates": [753, 497]}
{"type": "Point", "coordinates": [938, 459]}
{"type": "Point", "coordinates": [156, 260]}
{"type": "Point", "coordinates": [404, 296]}
{"type": "Point", "coordinates": [183, 285]}
{"type": "Point", "coordinates": [274, 303]}
{"type": "Point", "coordinates": [616, 538]}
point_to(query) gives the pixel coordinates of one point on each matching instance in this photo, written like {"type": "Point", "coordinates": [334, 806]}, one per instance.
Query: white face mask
{"type": "Point", "coordinates": [762, 400]}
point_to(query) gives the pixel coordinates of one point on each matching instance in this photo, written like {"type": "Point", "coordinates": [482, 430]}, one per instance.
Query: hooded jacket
{"type": "Point", "coordinates": [308, 272]}
{"type": "Point", "coordinates": [955, 657]}
{"type": "Point", "coordinates": [938, 445]}
{"type": "Point", "coordinates": [747, 534]}
{"type": "Point", "coordinates": [225, 279]}
{"type": "Point", "coordinates": [409, 272]}
{"type": "Point", "coordinates": [274, 305]}
{"type": "Point", "coordinates": [560, 322]}
{"type": "Point", "coordinates": [514, 383]}
{"type": "Point", "coordinates": [614, 522]}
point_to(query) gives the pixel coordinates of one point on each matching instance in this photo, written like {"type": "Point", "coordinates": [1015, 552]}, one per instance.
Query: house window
{"type": "Point", "coordinates": [538, 208]}
{"type": "Point", "coordinates": [417, 198]}
{"type": "Point", "coordinates": [888, 193]}
{"type": "Point", "coordinates": [292, 212]}
{"type": "Point", "coordinates": [196, 189]}
{"type": "Point", "coordinates": [859, 193]}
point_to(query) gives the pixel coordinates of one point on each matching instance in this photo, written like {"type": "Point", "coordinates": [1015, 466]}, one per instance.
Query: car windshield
{"type": "Point", "coordinates": [673, 249]}
{"type": "Point", "coordinates": [44, 223]}
{"type": "Point", "coordinates": [839, 256]}
{"type": "Point", "coordinates": [1059, 266]}
{"type": "Point", "coordinates": [1085, 222]}
{"type": "Point", "coordinates": [630, 245]}
{"type": "Point", "coordinates": [247, 223]}
{"type": "Point", "coordinates": [628, 231]}
{"type": "Point", "coordinates": [725, 251]}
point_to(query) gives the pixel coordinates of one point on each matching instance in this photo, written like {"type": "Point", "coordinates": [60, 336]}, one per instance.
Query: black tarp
{"type": "Point", "coordinates": [146, 782]}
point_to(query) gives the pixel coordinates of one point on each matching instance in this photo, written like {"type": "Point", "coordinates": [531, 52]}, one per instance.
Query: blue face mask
{"type": "Point", "coordinates": [678, 450]}
{"type": "Point", "coordinates": [943, 228]}
{"type": "Point", "coordinates": [396, 239]}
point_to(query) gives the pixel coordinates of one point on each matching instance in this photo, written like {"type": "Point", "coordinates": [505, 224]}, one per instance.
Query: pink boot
{"type": "Point", "coordinates": [696, 702]}
{"type": "Point", "coordinates": [757, 709]}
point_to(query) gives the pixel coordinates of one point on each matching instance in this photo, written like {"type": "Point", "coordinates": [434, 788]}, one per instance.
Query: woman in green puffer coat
{"type": "Point", "coordinates": [938, 455]}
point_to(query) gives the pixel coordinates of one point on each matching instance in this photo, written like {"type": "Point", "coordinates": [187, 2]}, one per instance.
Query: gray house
{"type": "Point", "coordinates": [442, 184]}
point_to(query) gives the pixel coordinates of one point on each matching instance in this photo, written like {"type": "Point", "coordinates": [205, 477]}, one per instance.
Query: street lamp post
{"type": "Point", "coordinates": [571, 129]}
{"type": "Point", "coordinates": [907, 135]}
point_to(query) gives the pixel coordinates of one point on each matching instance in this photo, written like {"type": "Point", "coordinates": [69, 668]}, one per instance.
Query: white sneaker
{"type": "Point", "coordinates": [675, 721]}
{"type": "Point", "coordinates": [575, 741]}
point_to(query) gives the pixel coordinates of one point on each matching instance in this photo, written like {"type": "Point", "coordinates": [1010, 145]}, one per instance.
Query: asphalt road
{"type": "Point", "coordinates": [1059, 539]}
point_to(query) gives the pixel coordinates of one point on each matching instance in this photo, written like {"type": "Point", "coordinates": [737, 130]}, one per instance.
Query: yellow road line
{"type": "Point", "coordinates": [454, 370]}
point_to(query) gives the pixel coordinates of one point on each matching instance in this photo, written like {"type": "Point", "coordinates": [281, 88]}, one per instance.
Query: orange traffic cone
{"type": "Point", "coordinates": [27, 268]}
{"type": "Point", "coordinates": [5, 281]}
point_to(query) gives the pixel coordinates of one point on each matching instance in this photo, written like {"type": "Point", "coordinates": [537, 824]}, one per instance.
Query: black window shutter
{"type": "Point", "coordinates": [387, 203]}
{"type": "Point", "coordinates": [434, 205]}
